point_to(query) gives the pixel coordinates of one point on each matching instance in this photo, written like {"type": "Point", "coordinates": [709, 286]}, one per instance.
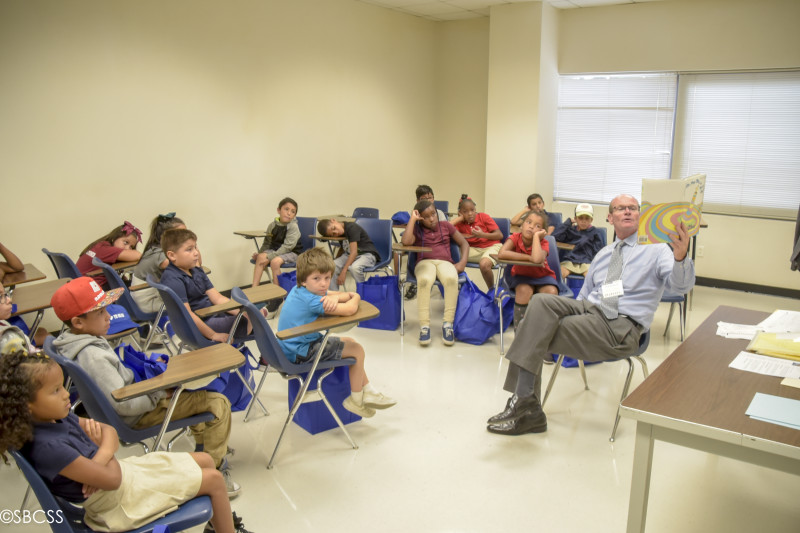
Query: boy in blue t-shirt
{"type": "Point", "coordinates": [310, 299]}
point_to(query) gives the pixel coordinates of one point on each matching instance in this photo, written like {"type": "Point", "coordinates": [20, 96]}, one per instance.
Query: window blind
{"type": "Point", "coordinates": [743, 131]}
{"type": "Point", "coordinates": [612, 131]}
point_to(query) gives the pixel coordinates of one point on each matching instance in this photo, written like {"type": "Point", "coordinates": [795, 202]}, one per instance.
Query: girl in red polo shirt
{"type": "Point", "coordinates": [529, 245]}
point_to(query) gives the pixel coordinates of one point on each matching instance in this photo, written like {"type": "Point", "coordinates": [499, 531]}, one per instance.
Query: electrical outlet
{"type": "Point", "coordinates": [700, 251]}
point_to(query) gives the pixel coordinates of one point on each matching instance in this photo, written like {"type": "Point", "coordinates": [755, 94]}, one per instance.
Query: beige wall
{"type": "Point", "coordinates": [122, 110]}
{"type": "Point", "coordinates": [686, 35]}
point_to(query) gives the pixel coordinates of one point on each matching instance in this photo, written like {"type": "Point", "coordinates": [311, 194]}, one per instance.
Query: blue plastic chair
{"type": "Point", "coordinates": [680, 301]}
{"type": "Point", "coordinates": [62, 264]}
{"type": "Point", "coordinates": [442, 205]}
{"type": "Point", "coordinates": [365, 212]}
{"type": "Point", "coordinates": [99, 407]}
{"type": "Point", "coordinates": [133, 309]}
{"type": "Point", "coordinates": [411, 279]}
{"type": "Point", "coordinates": [272, 356]}
{"type": "Point", "coordinates": [554, 219]}
{"type": "Point", "coordinates": [644, 341]}
{"type": "Point", "coordinates": [505, 292]}
{"type": "Point", "coordinates": [380, 232]}
{"type": "Point", "coordinates": [191, 513]}
{"type": "Point", "coordinates": [187, 331]}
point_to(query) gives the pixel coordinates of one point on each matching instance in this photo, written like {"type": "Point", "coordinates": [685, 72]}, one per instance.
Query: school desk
{"type": "Point", "coordinates": [36, 298]}
{"type": "Point", "coordinates": [29, 273]}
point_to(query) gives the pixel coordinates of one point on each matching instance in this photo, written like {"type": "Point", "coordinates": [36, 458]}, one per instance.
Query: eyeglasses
{"type": "Point", "coordinates": [5, 297]}
{"type": "Point", "coordinates": [621, 208]}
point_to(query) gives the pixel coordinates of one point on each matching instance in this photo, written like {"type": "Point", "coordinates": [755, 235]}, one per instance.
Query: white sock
{"type": "Point", "coordinates": [369, 388]}
{"type": "Point", "coordinates": [358, 397]}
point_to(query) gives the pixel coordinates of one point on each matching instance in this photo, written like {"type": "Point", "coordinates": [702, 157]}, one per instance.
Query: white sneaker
{"type": "Point", "coordinates": [233, 488]}
{"type": "Point", "coordinates": [361, 410]}
{"type": "Point", "coordinates": [378, 400]}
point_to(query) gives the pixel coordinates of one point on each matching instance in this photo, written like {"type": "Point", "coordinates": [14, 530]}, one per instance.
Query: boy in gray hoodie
{"type": "Point", "coordinates": [81, 305]}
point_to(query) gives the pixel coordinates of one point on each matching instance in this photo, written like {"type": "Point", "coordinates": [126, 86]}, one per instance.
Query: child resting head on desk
{"type": "Point", "coordinates": [281, 244]}
{"type": "Point", "coordinates": [311, 299]}
{"type": "Point", "coordinates": [81, 305]}
{"type": "Point", "coordinates": [153, 262]}
{"type": "Point", "coordinates": [529, 245]}
{"type": "Point", "coordinates": [191, 284]}
{"type": "Point", "coordinates": [118, 245]}
{"type": "Point", "coordinates": [75, 456]}
{"type": "Point", "coordinates": [358, 250]}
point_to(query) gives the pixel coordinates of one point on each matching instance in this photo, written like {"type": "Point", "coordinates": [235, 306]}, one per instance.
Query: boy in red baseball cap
{"type": "Point", "coordinates": [81, 305]}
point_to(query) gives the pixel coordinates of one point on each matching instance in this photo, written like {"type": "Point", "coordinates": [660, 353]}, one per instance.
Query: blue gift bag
{"type": "Point", "coordinates": [231, 386]}
{"type": "Point", "coordinates": [314, 417]}
{"type": "Point", "coordinates": [384, 293]}
{"type": "Point", "coordinates": [477, 316]}
{"type": "Point", "coordinates": [142, 365]}
{"type": "Point", "coordinates": [287, 280]}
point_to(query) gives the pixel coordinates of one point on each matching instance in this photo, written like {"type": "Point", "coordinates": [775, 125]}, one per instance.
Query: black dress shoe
{"type": "Point", "coordinates": [532, 421]}
{"type": "Point", "coordinates": [515, 408]}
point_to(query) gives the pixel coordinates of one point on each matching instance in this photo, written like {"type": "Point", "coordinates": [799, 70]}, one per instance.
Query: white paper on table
{"type": "Point", "coordinates": [737, 331]}
{"type": "Point", "coordinates": [766, 365]}
{"type": "Point", "coordinates": [781, 321]}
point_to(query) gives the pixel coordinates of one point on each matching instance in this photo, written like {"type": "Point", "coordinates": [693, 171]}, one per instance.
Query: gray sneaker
{"type": "Point", "coordinates": [233, 488]}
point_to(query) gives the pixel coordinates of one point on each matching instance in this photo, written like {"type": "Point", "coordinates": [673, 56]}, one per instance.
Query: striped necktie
{"type": "Point", "coordinates": [609, 305]}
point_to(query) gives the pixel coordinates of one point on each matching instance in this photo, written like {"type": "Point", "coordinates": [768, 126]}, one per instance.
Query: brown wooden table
{"type": "Point", "coordinates": [119, 266]}
{"type": "Point", "coordinates": [182, 369]}
{"type": "Point", "coordinates": [29, 273]}
{"type": "Point", "coordinates": [35, 298]}
{"type": "Point", "coordinates": [695, 399]}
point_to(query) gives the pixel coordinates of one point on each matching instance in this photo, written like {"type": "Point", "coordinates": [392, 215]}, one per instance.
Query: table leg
{"type": "Point", "coordinates": [640, 480]}
{"type": "Point", "coordinates": [36, 322]}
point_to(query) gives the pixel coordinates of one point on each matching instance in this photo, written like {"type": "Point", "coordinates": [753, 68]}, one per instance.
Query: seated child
{"type": "Point", "coordinates": [11, 263]}
{"type": "Point", "coordinates": [423, 192]}
{"type": "Point", "coordinates": [358, 251]}
{"type": "Point", "coordinates": [118, 245]}
{"type": "Point", "coordinates": [535, 201]}
{"type": "Point", "coordinates": [81, 305]}
{"type": "Point", "coordinates": [282, 243]}
{"type": "Point", "coordinates": [529, 245]}
{"type": "Point", "coordinates": [153, 262]}
{"type": "Point", "coordinates": [586, 238]}
{"type": "Point", "coordinates": [193, 287]}
{"type": "Point", "coordinates": [6, 307]}
{"type": "Point", "coordinates": [483, 236]}
{"type": "Point", "coordinates": [425, 229]}
{"type": "Point", "coordinates": [75, 456]}
{"type": "Point", "coordinates": [310, 299]}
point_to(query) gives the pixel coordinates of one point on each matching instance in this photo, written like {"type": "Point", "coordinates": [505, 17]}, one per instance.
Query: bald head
{"type": "Point", "coordinates": [623, 214]}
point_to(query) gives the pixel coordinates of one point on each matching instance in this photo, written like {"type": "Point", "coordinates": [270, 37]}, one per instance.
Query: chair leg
{"type": "Point", "coordinates": [682, 317]}
{"type": "Point", "coordinates": [624, 394]}
{"type": "Point", "coordinates": [583, 374]}
{"type": "Point", "coordinates": [552, 378]}
{"type": "Point", "coordinates": [252, 392]}
{"type": "Point", "coordinates": [174, 439]}
{"type": "Point", "coordinates": [255, 395]}
{"type": "Point", "coordinates": [669, 319]}
{"type": "Point", "coordinates": [24, 504]}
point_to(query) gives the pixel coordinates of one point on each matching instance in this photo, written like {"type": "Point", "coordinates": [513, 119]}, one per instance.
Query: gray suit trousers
{"type": "Point", "coordinates": [578, 329]}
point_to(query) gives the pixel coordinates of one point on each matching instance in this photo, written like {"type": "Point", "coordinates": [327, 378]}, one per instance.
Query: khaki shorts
{"type": "Point", "coordinates": [476, 254]}
{"type": "Point", "coordinates": [579, 268]}
{"type": "Point", "coordinates": [152, 486]}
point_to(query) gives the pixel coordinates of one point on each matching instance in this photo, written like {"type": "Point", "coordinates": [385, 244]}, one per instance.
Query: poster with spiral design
{"type": "Point", "coordinates": [658, 221]}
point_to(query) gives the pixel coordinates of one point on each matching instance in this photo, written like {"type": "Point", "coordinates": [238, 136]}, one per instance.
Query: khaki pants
{"type": "Point", "coordinates": [213, 435]}
{"type": "Point", "coordinates": [428, 271]}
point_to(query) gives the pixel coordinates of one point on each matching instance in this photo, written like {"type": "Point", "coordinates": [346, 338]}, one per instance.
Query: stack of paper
{"type": "Point", "coordinates": [736, 331]}
{"type": "Point", "coordinates": [776, 410]}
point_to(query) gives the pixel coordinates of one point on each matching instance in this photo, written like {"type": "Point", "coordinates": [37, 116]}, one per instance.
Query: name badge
{"type": "Point", "coordinates": [612, 289]}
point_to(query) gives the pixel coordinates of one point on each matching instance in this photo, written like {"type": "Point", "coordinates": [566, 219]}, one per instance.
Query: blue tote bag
{"type": "Point", "coordinates": [384, 293]}
{"type": "Point", "coordinates": [477, 316]}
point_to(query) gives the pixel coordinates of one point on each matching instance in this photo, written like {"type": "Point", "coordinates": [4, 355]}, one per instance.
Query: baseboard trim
{"type": "Point", "coordinates": [748, 287]}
